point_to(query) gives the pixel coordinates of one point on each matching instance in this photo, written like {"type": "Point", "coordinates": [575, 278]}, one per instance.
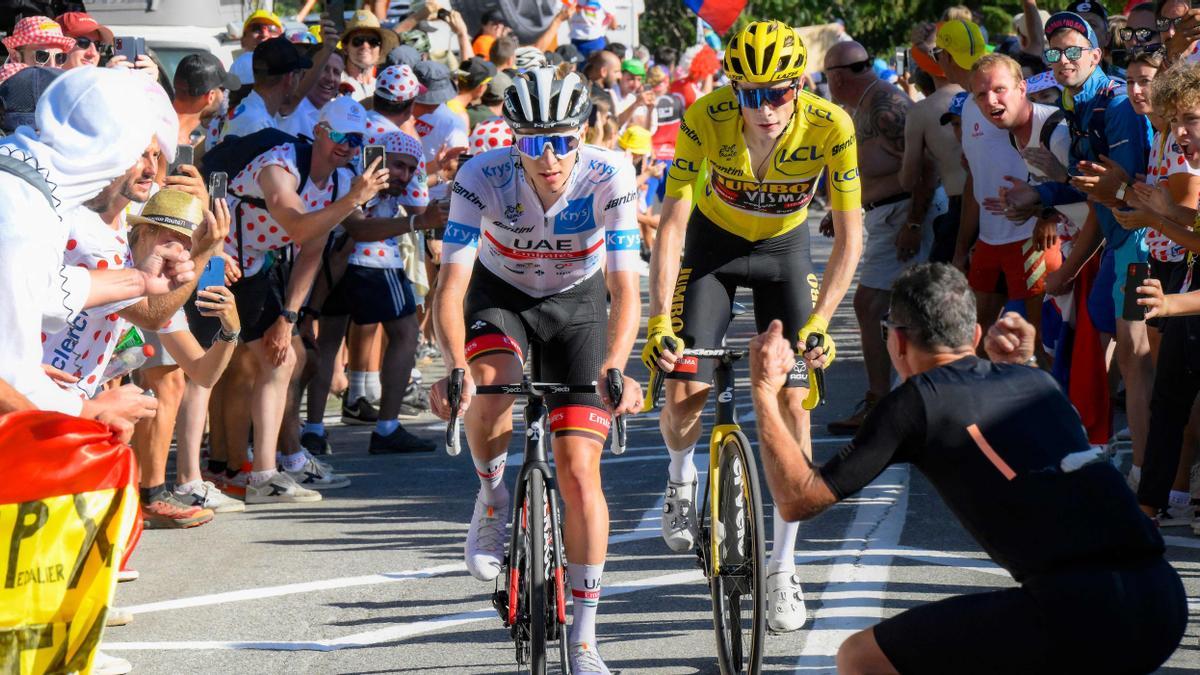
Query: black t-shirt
{"type": "Point", "coordinates": [991, 438]}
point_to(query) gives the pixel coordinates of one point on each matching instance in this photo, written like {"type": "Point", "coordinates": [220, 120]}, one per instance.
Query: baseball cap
{"type": "Point", "coordinates": [404, 55]}
{"type": "Point", "coordinates": [278, 56]}
{"type": "Point", "coordinates": [20, 94]}
{"type": "Point", "coordinates": [1072, 21]}
{"type": "Point", "coordinates": [633, 67]}
{"type": "Point", "coordinates": [344, 115]}
{"type": "Point", "coordinates": [436, 78]}
{"type": "Point", "coordinates": [494, 16]}
{"type": "Point", "coordinates": [81, 24]}
{"type": "Point", "coordinates": [962, 40]}
{"type": "Point", "coordinates": [202, 72]}
{"type": "Point", "coordinates": [955, 109]}
{"type": "Point", "coordinates": [925, 62]}
{"type": "Point", "coordinates": [397, 84]}
{"type": "Point", "coordinates": [570, 53]}
{"type": "Point", "coordinates": [1093, 12]}
{"type": "Point", "coordinates": [636, 140]}
{"type": "Point", "coordinates": [262, 16]}
{"type": "Point", "coordinates": [173, 209]}
{"type": "Point", "coordinates": [37, 30]}
{"type": "Point", "coordinates": [494, 94]}
{"type": "Point", "coordinates": [475, 71]}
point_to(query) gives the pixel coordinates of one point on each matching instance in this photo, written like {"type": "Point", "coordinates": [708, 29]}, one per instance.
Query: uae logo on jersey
{"type": "Point", "coordinates": [577, 217]}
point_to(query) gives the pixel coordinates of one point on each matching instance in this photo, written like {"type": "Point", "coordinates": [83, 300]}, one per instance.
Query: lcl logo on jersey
{"type": "Point", "coordinates": [576, 217]}
{"type": "Point", "coordinates": [793, 163]}
{"type": "Point", "coordinates": [846, 181]}
{"type": "Point", "coordinates": [723, 111]}
{"type": "Point", "coordinates": [499, 175]}
{"type": "Point", "coordinates": [817, 117]}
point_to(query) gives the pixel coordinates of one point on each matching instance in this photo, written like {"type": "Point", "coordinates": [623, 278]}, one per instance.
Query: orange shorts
{"type": "Point", "coordinates": [1016, 270]}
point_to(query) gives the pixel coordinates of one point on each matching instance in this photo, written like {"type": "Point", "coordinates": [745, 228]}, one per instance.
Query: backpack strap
{"type": "Point", "coordinates": [1049, 126]}
{"type": "Point", "coordinates": [22, 170]}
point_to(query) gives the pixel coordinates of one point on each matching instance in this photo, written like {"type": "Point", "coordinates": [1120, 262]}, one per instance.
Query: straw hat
{"type": "Point", "coordinates": [365, 21]}
{"type": "Point", "coordinates": [173, 209]}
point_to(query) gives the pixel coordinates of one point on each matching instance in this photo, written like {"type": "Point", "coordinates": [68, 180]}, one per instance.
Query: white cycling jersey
{"type": "Point", "coordinates": [495, 212]}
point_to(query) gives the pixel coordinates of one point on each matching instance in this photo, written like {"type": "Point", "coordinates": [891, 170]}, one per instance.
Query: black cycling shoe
{"type": "Point", "coordinates": [415, 401]}
{"type": "Point", "coordinates": [398, 442]}
{"type": "Point", "coordinates": [316, 444]}
{"type": "Point", "coordinates": [361, 412]}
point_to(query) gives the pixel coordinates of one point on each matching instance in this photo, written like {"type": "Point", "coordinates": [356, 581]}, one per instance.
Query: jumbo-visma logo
{"type": "Point", "coordinates": [846, 181]}
{"type": "Point", "coordinates": [578, 216]}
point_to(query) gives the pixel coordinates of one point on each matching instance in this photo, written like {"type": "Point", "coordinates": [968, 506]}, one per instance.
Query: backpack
{"type": "Point", "coordinates": [14, 166]}
{"type": "Point", "coordinates": [235, 153]}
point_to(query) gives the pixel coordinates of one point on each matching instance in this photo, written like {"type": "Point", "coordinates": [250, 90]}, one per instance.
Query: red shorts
{"type": "Point", "coordinates": [1017, 265]}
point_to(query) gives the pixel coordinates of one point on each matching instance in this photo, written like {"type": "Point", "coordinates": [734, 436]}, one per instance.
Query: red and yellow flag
{"type": "Point", "coordinates": [68, 507]}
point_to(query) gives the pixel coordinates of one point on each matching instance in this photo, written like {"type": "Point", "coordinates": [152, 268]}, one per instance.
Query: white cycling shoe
{"type": "Point", "coordinates": [485, 540]}
{"type": "Point", "coordinates": [785, 602]}
{"type": "Point", "coordinates": [679, 527]}
{"type": "Point", "coordinates": [585, 660]}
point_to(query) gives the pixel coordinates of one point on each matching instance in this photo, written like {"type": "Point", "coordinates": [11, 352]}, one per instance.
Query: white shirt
{"type": "Point", "coordinates": [1166, 160]}
{"type": "Point", "coordinates": [249, 116]}
{"type": "Point", "coordinates": [1060, 147]}
{"type": "Point", "coordinates": [361, 91]}
{"type": "Point", "coordinates": [302, 120]}
{"type": "Point", "coordinates": [243, 67]}
{"type": "Point", "coordinates": [36, 292]}
{"type": "Point", "coordinates": [588, 22]}
{"type": "Point", "coordinates": [991, 157]}
{"type": "Point", "coordinates": [440, 127]}
{"type": "Point", "coordinates": [496, 214]}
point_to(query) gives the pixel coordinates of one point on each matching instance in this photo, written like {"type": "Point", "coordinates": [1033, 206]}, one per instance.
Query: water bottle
{"type": "Point", "coordinates": [130, 353]}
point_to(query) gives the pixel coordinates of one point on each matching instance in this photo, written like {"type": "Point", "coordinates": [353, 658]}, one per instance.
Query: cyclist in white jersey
{"type": "Point", "coordinates": [537, 233]}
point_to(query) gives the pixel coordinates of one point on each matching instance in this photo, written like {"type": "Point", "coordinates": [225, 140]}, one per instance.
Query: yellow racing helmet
{"type": "Point", "coordinates": [764, 52]}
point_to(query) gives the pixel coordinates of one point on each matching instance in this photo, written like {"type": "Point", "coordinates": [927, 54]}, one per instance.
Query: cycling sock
{"type": "Point", "coordinates": [492, 490]}
{"type": "Point", "coordinates": [386, 427]}
{"type": "Point", "coordinates": [585, 599]}
{"type": "Point", "coordinates": [373, 386]}
{"type": "Point", "coordinates": [1179, 498]}
{"type": "Point", "coordinates": [317, 428]}
{"type": "Point", "coordinates": [217, 466]}
{"type": "Point", "coordinates": [293, 462]}
{"type": "Point", "coordinates": [260, 477]}
{"type": "Point", "coordinates": [682, 468]}
{"type": "Point", "coordinates": [358, 386]}
{"type": "Point", "coordinates": [783, 545]}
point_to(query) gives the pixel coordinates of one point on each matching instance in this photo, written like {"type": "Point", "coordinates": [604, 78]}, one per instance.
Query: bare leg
{"type": "Point", "coordinates": [1133, 357]}
{"type": "Point", "coordinates": [189, 432]}
{"type": "Point", "coordinates": [398, 362]}
{"type": "Point", "coordinates": [152, 436]}
{"type": "Point", "coordinates": [268, 403]}
{"type": "Point", "coordinates": [870, 304]}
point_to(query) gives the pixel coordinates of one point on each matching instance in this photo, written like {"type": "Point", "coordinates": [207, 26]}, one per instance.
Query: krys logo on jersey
{"type": "Point", "coordinates": [777, 199]}
{"type": "Point", "coordinates": [577, 216]}
{"type": "Point", "coordinates": [499, 175]}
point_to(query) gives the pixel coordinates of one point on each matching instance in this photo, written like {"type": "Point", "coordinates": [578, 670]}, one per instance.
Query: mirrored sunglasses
{"type": "Point", "coordinates": [352, 139]}
{"type": "Point", "coordinates": [1072, 53]}
{"type": "Point", "coordinates": [774, 97]}
{"type": "Point", "coordinates": [1142, 35]}
{"type": "Point", "coordinates": [561, 145]}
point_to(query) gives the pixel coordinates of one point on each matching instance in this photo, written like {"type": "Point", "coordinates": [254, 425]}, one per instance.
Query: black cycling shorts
{"type": "Point", "coordinates": [716, 262]}
{"type": "Point", "coordinates": [370, 295]}
{"type": "Point", "coordinates": [566, 333]}
{"type": "Point", "coordinates": [1127, 620]}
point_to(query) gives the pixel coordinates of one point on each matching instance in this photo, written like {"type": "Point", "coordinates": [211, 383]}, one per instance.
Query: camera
{"type": "Point", "coordinates": [443, 14]}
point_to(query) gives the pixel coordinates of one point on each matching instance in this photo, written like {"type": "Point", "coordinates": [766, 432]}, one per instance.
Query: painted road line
{"type": "Point", "coordinates": [650, 525]}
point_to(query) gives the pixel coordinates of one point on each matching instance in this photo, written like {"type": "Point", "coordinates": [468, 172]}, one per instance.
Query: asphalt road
{"type": "Point", "coordinates": [371, 580]}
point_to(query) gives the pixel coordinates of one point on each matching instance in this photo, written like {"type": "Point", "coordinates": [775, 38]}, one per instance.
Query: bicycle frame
{"type": "Point", "coordinates": [726, 423]}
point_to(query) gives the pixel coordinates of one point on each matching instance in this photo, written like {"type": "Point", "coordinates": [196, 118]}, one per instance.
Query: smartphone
{"type": "Point", "coordinates": [213, 274]}
{"type": "Point", "coordinates": [218, 186]}
{"type": "Point", "coordinates": [337, 11]}
{"type": "Point", "coordinates": [372, 152]}
{"type": "Point", "coordinates": [129, 47]}
{"type": "Point", "coordinates": [1136, 274]}
{"type": "Point", "coordinates": [184, 154]}
{"type": "Point", "coordinates": [443, 15]}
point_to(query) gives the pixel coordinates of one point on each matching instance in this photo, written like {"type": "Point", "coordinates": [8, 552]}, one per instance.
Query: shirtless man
{"type": "Point", "coordinates": [929, 146]}
{"type": "Point", "coordinates": [894, 241]}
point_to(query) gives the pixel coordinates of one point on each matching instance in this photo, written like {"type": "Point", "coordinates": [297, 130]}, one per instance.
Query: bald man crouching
{"type": "Point", "coordinates": [1007, 453]}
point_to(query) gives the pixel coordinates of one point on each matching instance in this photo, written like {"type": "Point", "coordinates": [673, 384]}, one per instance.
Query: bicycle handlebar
{"type": "Point", "coordinates": [454, 391]}
{"type": "Point", "coordinates": [816, 341]}
{"type": "Point", "coordinates": [616, 389]}
{"type": "Point", "coordinates": [658, 377]}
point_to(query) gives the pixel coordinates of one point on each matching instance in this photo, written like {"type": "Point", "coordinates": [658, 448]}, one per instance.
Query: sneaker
{"type": "Point", "coordinates": [485, 540]}
{"type": "Point", "coordinates": [785, 602]}
{"type": "Point", "coordinates": [281, 488]}
{"type": "Point", "coordinates": [166, 511]}
{"type": "Point", "coordinates": [317, 477]}
{"type": "Point", "coordinates": [125, 576]}
{"type": "Point", "coordinates": [399, 441]}
{"type": "Point", "coordinates": [207, 496]}
{"type": "Point", "coordinates": [235, 486]}
{"type": "Point", "coordinates": [850, 425]}
{"type": "Point", "coordinates": [118, 616]}
{"type": "Point", "coordinates": [325, 466]}
{"type": "Point", "coordinates": [359, 413]}
{"type": "Point", "coordinates": [585, 660]}
{"type": "Point", "coordinates": [103, 664]}
{"type": "Point", "coordinates": [679, 516]}
{"type": "Point", "coordinates": [1176, 516]}
{"type": "Point", "coordinates": [415, 401]}
{"type": "Point", "coordinates": [316, 444]}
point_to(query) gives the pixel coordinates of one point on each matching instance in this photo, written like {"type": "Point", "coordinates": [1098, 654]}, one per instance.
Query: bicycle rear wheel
{"type": "Point", "coordinates": [738, 589]}
{"type": "Point", "coordinates": [534, 575]}
{"type": "Point", "coordinates": [556, 603]}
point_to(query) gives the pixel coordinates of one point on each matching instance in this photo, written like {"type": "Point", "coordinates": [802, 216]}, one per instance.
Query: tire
{"type": "Point", "coordinates": [535, 573]}
{"type": "Point", "coordinates": [557, 583]}
{"type": "Point", "coordinates": [738, 591]}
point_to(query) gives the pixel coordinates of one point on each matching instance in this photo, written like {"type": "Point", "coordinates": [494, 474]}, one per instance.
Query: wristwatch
{"type": "Point", "coordinates": [1121, 191]}
{"type": "Point", "coordinates": [225, 336]}
{"type": "Point", "coordinates": [290, 316]}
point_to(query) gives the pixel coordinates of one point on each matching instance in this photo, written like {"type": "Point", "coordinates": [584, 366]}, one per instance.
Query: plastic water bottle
{"type": "Point", "coordinates": [130, 354]}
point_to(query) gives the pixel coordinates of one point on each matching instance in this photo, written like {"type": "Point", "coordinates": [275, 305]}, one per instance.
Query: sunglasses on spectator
{"type": "Point", "coordinates": [1142, 35]}
{"type": "Point", "coordinates": [774, 97]}
{"type": "Point", "coordinates": [1157, 49]}
{"type": "Point", "coordinates": [1165, 25]}
{"type": "Point", "coordinates": [562, 145]}
{"type": "Point", "coordinates": [360, 40]}
{"type": "Point", "coordinates": [352, 139]}
{"type": "Point", "coordinates": [43, 57]}
{"type": "Point", "coordinates": [935, 53]}
{"type": "Point", "coordinates": [83, 43]}
{"type": "Point", "coordinates": [856, 67]}
{"type": "Point", "coordinates": [885, 325]}
{"type": "Point", "coordinates": [264, 28]}
{"type": "Point", "coordinates": [1072, 53]}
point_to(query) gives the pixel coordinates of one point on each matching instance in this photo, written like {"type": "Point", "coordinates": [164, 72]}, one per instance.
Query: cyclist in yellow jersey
{"type": "Point", "coordinates": [765, 143]}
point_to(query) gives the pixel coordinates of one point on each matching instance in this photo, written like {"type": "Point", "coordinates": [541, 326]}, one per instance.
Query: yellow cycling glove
{"type": "Point", "coordinates": [816, 325]}
{"type": "Point", "coordinates": [658, 333]}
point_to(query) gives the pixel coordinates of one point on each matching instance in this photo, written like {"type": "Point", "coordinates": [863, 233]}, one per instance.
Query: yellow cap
{"type": "Point", "coordinates": [262, 16]}
{"type": "Point", "coordinates": [963, 41]}
{"type": "Point", "coordinates": [636, 140]}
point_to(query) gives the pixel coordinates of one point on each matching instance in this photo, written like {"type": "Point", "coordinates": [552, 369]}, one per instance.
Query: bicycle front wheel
{"type": "Point", "coordinates": [739, 595]}
{"type": "Point", "coordinates": [535, 572]}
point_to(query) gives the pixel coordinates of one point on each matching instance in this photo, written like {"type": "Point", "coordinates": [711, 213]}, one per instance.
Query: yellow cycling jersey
{"type": "Point", "coordinates": [753, 207]}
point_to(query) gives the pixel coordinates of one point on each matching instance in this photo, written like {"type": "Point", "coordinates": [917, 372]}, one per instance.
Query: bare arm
{"type": "Point", "coordinates": [202, 367]}
{"type": "Point", "coordinates": [668, 245]}
{"type": "Point", "coordinates": [968, 223]}
{"type": "Point", "coordinates": [1033, 28]}
{"type": "Point", "coordinates": [922, 191]}
{"type": "Point", "coordinates": [11, 400]}
{"type": "Point", "coordinates": [453, 280]}
{"type": "Point", "coordinates": [914, 153]}
{"type": "Point", "coordinates": [329, 40]}
{"type": "Point", "coordinates": [304, 272]}
{"type": "Point", "coordinates": [839, 271]}
{"type": "Point", "coordinates": [289, 211]}
{"type": "Point", "coordinates": [1084, 247]}
{"type": "Point", "coordinates": [624, 317]}
{"type": "Point", "coordinates": [364, 228]}
{"type": "Point", "coordinates": [547, 38]}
